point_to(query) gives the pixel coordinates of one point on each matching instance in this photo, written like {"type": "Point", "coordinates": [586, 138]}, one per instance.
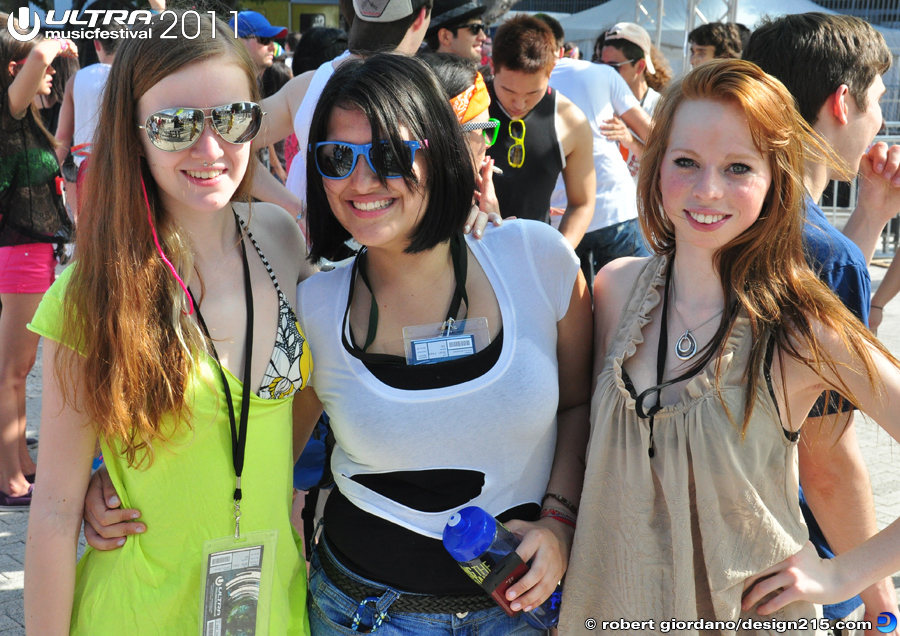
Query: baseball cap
{"type": "Point", "coordinates": [635, 34]}
{"type": "Point", "coordinates": [382, 10]}
{"type": "Point", "coordinates": [251, 23]}
{"type": "Point", "coordinates": [451, 12]}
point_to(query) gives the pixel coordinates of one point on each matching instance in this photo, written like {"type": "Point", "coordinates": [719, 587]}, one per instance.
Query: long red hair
{"type": "Point", "coordinates": [764, 270]}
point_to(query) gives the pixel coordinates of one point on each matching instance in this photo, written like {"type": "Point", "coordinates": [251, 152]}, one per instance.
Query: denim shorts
{"type": "Point", "coordinates": [333, 612]}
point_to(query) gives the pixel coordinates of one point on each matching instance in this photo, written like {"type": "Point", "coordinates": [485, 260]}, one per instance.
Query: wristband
{"type": "Point", "coordinates": [881, 307]}
{"type": "Point", "coordinates": [557, 515]}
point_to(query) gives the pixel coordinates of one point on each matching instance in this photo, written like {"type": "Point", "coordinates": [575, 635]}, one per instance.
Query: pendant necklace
{"type": "Point", "coordinates": [686, 345]}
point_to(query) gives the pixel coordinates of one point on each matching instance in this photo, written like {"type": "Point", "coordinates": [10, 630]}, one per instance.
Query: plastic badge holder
{"type": "Point", "coordinates": [441, 341]}
{"type": "Point", "coordinates": [237, 581]}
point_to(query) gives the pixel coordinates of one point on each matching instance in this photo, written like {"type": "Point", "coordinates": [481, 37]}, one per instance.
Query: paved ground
{"type": "Point", "coordinates": [881, 452]}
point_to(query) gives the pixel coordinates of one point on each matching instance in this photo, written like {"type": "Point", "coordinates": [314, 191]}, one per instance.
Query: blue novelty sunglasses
{"type": "Point", "coordinates": [337, 159]}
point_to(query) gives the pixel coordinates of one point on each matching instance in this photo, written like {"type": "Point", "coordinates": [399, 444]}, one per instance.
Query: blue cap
{"type": "Point", "coordinates": [469, 533]}
{"type": "Point", "coordinates": [251, 23]}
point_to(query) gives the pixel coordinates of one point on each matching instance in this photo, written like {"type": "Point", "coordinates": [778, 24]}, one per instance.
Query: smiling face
{"type": "Point", "coordinates": [713, 180]}
{"type": "Point", "coordinates": [379, 216]}
{"type": "Point", "coordinates": [462, 42]}
{"type": "Point", "coordinates": [185, 184]}
{"type": "Point", "coordinates": [519, 92]}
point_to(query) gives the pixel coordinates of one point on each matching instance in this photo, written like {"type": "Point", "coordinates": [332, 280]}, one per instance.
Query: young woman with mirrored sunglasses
{"type": "Point", "coordinates": [170, 342]}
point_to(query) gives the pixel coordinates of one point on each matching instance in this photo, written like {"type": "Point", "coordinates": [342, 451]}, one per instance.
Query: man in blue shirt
{"type": "Point", "coordinates": [833, 66]}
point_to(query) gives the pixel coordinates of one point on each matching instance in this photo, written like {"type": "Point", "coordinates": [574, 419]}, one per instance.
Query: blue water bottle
{"type": "Point", "coordinates": [486, 551]}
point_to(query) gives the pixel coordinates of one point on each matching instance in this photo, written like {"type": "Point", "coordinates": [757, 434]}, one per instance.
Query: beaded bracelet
{"type": "Point", "coordinates": [568, 504]}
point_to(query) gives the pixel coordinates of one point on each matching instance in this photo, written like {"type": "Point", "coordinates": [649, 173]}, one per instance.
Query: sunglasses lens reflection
{"type": "Point", "coordinates": [177, 129]}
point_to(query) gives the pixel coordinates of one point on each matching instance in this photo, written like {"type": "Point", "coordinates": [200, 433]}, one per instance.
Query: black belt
{"type": "Point", "coordinates": [407, 603]}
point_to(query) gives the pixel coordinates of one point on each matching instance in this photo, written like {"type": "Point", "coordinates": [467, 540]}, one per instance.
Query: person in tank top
{"type": "Point", "coordinates": [542, 133]}
{"type": "Point", "coordinates": [181, 357]}
{"type": "Point", "coordinates": [709, 355]}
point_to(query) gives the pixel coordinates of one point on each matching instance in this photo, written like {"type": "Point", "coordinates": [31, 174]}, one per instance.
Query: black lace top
{"type": "Point", "coordinates": [31, 211]}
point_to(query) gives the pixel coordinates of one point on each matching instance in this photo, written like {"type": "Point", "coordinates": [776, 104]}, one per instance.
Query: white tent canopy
{"type": "Point", "coordinates": [584, 27]}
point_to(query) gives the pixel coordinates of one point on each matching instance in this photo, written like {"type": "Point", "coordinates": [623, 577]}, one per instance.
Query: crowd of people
{"type": "Point", "coordinates": [596, 300]}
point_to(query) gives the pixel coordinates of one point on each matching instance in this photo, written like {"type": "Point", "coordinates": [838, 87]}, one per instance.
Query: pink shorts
{"type": "Point", "coordinates": [27, 269]}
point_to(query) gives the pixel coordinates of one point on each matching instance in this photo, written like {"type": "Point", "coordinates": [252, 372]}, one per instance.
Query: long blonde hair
{"type": "Point", "coordinates": [764, 270]}
{"type": "Point", "coordinates": [124, 311]}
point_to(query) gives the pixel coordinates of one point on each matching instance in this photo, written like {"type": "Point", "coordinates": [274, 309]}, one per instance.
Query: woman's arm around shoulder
{"type": "Point", "coordinates": [612, 290]}
{"type": "Point", "coordinates": [67, 448]}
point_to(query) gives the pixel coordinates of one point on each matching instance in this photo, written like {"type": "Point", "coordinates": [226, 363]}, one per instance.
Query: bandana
{"type": "Point", "coordinates": [472, 101]}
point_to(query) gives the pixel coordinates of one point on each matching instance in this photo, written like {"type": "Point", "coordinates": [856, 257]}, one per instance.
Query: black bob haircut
{"type": "Point", "coordinates": [393, 91]}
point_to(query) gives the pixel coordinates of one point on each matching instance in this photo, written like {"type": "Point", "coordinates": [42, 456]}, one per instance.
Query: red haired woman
{"type": "Point", "coordinates": [708, 356]}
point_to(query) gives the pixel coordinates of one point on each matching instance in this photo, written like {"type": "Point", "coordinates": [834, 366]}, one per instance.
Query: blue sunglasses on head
{"type": "Point", "coordinates": [337, 159]}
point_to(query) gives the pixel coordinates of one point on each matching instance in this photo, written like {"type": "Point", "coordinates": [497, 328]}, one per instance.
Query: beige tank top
{"type": "Point", "coordinates": [673, 537]}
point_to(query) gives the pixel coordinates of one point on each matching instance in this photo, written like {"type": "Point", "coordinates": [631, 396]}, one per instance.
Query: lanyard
{"type": "Point", "coordinates": [238, 436]}
{"type": "Point", "coordinates": [661, 351]}
{"type": "Point", "coordinates": [460, 270]}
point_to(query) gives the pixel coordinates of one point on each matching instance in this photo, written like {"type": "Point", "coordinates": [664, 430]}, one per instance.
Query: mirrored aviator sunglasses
{"type": "Point", "coordinates": [177, 129]}
{"type": "Point", "coordinates": [337, 160]}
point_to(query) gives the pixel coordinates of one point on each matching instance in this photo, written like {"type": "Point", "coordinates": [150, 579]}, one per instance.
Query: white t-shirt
{"type": "Point", "coordinates": [502, 424]}
{"type": "Point", "coordinates": [651, 98]}
{"type": "Point", "coordinates": [87, 90]}
{"type": "Point", "coordinates": [599, 91]}
{"type": "Point", "coordinates": [296, 179]}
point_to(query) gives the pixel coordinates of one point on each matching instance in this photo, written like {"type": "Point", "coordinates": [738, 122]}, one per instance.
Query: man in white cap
{"type": "Point", "coordinates": [457, 28]}
{"type": "Point", "coordinates": [258, 36]}
{"type": "Point", "coordinates": [600, 94]}
{"type": "Point", "coordinates": [626, 48]}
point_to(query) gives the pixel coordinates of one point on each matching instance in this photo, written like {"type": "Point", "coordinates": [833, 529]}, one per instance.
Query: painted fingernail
{"type": "Point", "coordinates": [467, 229]}
{"type": "Point", "coordinates": [478, 233]}
{"type": "Point", "coordinates": [114, 501]}
{"type": "Point", "coordinates": [120, 542]}
{"type": "Point", "coordinates": [879, 167]}
{"type": "Point", "coordinates": [140, 529]}
{"type": "Point", "coordinates": [516, 606]}
{"type": "Point", "coordinates": [135, 515]}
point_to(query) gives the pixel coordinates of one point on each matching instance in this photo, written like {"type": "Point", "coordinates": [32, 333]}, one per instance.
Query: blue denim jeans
{"type": "Point", "coordinates": [332, 612]}
{"type": "Point", "coordinates": [601, 246]}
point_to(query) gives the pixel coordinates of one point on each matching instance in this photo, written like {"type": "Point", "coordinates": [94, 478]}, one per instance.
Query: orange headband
{"type": "Point", "coordinates": [472, 101]}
